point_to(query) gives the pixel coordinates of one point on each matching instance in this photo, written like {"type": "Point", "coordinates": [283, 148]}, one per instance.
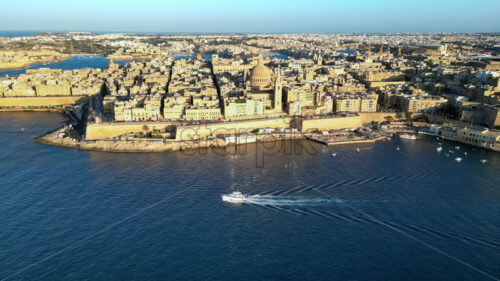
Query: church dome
{"type": "Point", "coordinates": [260, 76]}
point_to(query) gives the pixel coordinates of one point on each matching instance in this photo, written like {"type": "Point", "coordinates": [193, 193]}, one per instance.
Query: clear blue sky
{"type": "Point", "coordinates": [324, 16]}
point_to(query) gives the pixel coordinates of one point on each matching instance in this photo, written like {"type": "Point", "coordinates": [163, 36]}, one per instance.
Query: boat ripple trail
{"type": "Point", "coordinates": [271, 200]}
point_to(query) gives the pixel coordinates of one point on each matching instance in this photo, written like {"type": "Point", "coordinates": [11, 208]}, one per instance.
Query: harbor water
{"type": "Point", "coordinates": [75, 62]}
{"type": "Point", "coordinates": [374, 214]}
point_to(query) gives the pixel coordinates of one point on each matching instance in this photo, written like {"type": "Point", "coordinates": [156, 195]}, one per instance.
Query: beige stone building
{"type": "Point", "coordinates": [418, 103]}
{"type": "Point", "coordinates": [355, 102]}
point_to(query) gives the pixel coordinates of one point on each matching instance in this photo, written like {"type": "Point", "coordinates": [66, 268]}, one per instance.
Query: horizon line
{"type": "Point", "coordinates": [236, 32]}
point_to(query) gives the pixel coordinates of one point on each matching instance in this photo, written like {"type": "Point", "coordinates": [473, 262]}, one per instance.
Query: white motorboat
{"type": "Point", "coordinates": [408, 137]}
{"type": "Point", "coordinates": [439, 149]}
{"type": "Point", "coordinates": [458, 159]}
{"type": "Point", "coordinates": [357, 149]}
{"type": "Point", "coordinates": [457, 147]}
{"type": "Point", "coordinates": [235, 197]}
{"type": "Point", "coordinates": [483, 161]}
{"type": "Point", "coordinates": [397, 148]}
{"type": "Point", "coordinates": [334, 154]}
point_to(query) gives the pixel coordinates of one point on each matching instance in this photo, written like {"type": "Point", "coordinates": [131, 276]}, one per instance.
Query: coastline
{"type": "Point", "coordinates": [54, 110]}
{"type": "Point", "coordinates": [139, 58]}
{"type": "Point", "coordinates": [359, 141]}
{"type": "Point", "coordinates": [495, 149]}
{"type": "Point", "coordinates": [64, 58]}
{"type": "Point", "coordinates": [150, 145]}
{"type": "Point", "coordinates": [26, 65]}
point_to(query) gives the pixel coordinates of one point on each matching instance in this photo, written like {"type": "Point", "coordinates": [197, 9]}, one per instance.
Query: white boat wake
{"type": "Point", "coordinates": [275, 200]}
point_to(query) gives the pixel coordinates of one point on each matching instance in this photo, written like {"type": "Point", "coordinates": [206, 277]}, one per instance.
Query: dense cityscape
{"type": "Point", "coordinates": [168, 92]}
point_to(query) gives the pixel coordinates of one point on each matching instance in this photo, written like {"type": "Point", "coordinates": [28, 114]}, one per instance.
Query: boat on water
{"type": "Point", "coordinates": [357, 149]}
{"type": "Point", "coordinates": [439, 149]}
{"type": "Point", "coordinates": [483, 161]}
{"type": "Point", "coordinates": [447, 155]}
{"type": "Point", "coordinates": [458, 159]}
{"type": "Point", "coordinates": [397, 148]}
{"type": "Point", "coordinates": [465, 153]}
{"type": "Point", "coordinates": [408, 137]}
{"type": "Point", "coordinates": [457, 147]}
{"type": "Point", "coordinates": [334, 154]}
{"type": "Point", "coordinates": [235, 197]}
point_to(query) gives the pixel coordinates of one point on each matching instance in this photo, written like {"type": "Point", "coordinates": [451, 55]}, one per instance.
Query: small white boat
{"type": "Point", "coordinates": [465, 153]}
{"type": "Point", "coordinates": [408, 137]}
{"type": "Point", "coordinates": [458, 159]}
{"type": "Point", "coordinates": [439, 149]}
{"type": "Point", "coordinates": [483, 161]}
{"type": "Point", "coordinates": [357, 149]}
{"type": "Point", "coordinates": [447, 155]}
{"type": "Point", "coordinates": [451, 151]}
{"type": "Point", "coordinates": [457, 147]}
{"type": "Point", "coordinates": [334, 154]}
{"type": "Point", "coordinates": [235, 197]}
{"type": "Point", "coordinates": [397, 148]}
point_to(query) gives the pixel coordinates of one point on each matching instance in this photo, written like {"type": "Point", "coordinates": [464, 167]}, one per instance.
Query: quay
{"type": "Point", "coordinates": [343, 137]}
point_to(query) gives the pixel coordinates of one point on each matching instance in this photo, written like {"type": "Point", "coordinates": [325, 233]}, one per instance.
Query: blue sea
{"type": "Point", "coordinates": [376, 214]}
{"type": "Point", "coordinates": [17, 33]}
{"type": "Point", "coordinates": [75, 62]}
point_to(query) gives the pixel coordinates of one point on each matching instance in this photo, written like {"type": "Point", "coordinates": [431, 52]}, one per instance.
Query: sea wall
{"type": "Point", "coordinates": [335, 123]}
{"type": "Point", "coordinates": [97, 131]}
{"type": "Point", "coordinates": [151, 145]}
{"type": "Point", "coordinates": [130, 145]}
{"type": "Point", "coordinates": [41, 101]}
{"type": "Point", "coordinates": [199, 131]}
{"type": "Point", "coordinates": [368, 117]}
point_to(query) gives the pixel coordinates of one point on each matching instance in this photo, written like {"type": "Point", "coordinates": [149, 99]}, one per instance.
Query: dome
{"type": "Point", "coordinates": [260, 76]}
{"type": "Point", "coordinates": [261, 71]}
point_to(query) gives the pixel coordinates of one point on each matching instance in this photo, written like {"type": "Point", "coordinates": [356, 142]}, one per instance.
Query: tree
{"type": "Point", "coordinates": [409, 115]}
{"type": "Point", "coordinates": [389, 118]}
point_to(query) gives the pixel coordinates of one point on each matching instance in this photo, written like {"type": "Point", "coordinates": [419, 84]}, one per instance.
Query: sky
{"type": "Point", "coordinates": [251, 16]}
